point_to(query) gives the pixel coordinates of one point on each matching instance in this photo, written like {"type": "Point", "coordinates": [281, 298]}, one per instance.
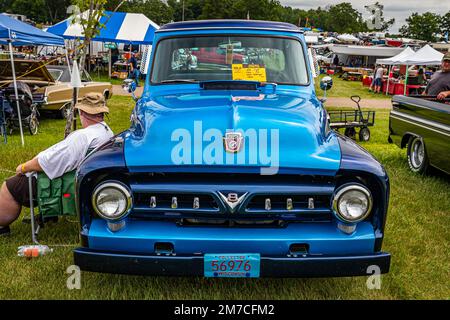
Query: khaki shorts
{"type": "Point", "coordinates": [19, 189]}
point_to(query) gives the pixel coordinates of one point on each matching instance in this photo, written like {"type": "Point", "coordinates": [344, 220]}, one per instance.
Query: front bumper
{"type": "Point", "coordinates": [337, 266]}
{"type": "Point", "coordinates": [132, 250]}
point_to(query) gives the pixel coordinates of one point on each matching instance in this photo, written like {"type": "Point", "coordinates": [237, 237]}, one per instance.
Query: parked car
{"type": "Point", "coordinates": [422, 126]}
{"type": "Point", "coordinates": [50, 84]}
{"type": "Point", "coordinates": [232, 171]}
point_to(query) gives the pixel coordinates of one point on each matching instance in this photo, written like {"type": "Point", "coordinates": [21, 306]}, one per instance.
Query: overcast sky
{"type": "Point", "coordinates": [398, 9]}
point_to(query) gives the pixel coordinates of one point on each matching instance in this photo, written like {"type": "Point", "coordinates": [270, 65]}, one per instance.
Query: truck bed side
{"type": "Point", "coordinates": [426, 119]}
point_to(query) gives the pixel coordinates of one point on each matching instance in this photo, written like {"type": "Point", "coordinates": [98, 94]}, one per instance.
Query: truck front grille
{"type": "Point", "coordinates": [176, 202]}
{"type": "Point", "coordinates": [211, 200]}
{"type": "Point", "coordinates": [298, 203]}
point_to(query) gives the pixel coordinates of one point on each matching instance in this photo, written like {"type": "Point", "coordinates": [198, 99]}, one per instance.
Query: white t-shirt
{"type": "Point", "coordinates": [379, 73]}
{"type": "Point", "coordinates": [67, 155]}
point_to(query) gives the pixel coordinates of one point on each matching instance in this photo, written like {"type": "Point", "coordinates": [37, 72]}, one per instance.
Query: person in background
{"type": "Point", "coordinates": [134, 71]}
{"type": "Point", "coordinates": [439, 84]}
{"type": "Point", "coordinates": [336, 60]}
{"type": "Point", "coordinates": [114, 55]}
{"type": "Point", "coordinates": [57, 160]}
{"type": "Point", "coordinates": [421, 77]}
{"type": "Point", "coordinates": [378, 79]}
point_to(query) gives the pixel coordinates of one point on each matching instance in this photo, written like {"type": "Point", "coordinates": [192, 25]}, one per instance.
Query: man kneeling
{"type": "Point", "coordinates": [62, 157]}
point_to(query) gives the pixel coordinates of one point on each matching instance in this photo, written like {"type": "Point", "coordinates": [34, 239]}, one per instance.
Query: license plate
{"type": "Point", "coordinates": [232, 265]}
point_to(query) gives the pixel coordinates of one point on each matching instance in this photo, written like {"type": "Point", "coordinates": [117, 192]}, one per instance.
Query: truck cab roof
{"type": "Point", "coordinates": [230, 24]}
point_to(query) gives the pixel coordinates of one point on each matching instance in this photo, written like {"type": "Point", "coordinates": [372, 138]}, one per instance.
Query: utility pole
{"type": "Point", "coordinates": [182, 18]}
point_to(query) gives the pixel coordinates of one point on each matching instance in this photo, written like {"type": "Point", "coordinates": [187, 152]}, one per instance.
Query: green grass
{"type": "Point", "coordinates": [343, 89]}
{"type": "Point", "coordinates": [102, 77]}
{"type": "Point", "coordinates": [416, 235]}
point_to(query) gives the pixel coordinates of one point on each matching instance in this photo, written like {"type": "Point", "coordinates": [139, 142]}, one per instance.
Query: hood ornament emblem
{"type": "Point", "coordinates": [233, 142]}
{"type": "Point", "coordinates": [232, 200]}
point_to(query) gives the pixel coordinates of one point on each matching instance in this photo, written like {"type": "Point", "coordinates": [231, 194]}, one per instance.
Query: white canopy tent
{"type": "Point", "coordinates": [395, 59]}
{"type": "Point", "coordinates": [425, 56]}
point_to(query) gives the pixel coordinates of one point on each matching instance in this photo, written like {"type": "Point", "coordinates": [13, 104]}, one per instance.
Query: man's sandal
{"type": "Point", "coordinates": [5, 231]}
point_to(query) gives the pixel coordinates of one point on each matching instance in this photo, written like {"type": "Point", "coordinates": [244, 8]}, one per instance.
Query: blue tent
{"type": "Point", "coordinates": [23, 34]}
{"type": "Point", "coordinates": [119, 27]}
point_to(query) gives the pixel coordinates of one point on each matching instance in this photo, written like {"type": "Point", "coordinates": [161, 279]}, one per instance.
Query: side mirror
{"type": "Point", "coordinates": [326, 83]}
{"type": "Point", "coordinates": [129, 86]}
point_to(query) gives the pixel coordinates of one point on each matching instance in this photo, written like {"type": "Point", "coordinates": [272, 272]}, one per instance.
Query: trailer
{"type": "Point", "coordinates": [351, 120]}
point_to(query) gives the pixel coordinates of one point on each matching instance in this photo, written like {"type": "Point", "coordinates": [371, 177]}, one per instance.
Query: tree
{"type": "Point", "coordinates": [89, 18]}
{"type": "Point", "coordinates": [155, 10]}
{"type": "Point", "coordinates": [6, 5]}
{"type": "Point", "coordinates": [192, 9]}
{"type": "Point", "coordinates": [118, 5]}
{"type": "Point", "coordinates": [40, 11]}
{"type": "Point", "coordinates": [318, 18]}
{"type": "Point", "coordinates": [343, 18]}
{"type": "Point", "coordinates": [216, 9]}
{"type": "Point", "coordinates": [256, 10]}
{"type": "Point", "coordinates": [444, 25]}
{"type": "Point", "coordinates": [87, 14]}
{"type": "Point", "coordinates": [34, 10]}
{"type": "Point", "coordinates": [422, 26]}
{"type": "Point", "coordinates": [56, 10]}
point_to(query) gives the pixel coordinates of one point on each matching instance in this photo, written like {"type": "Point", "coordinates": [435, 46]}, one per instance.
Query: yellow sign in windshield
{"type": "Point", "coordinates": [251, 72]}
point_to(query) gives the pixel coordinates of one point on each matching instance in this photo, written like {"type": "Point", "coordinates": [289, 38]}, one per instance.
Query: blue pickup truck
{"type": "Point", "coordinates": [230, 169]}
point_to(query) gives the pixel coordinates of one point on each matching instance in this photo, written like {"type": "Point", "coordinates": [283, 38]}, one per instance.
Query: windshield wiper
{"type": "Point", "coordinates": [180, 81]}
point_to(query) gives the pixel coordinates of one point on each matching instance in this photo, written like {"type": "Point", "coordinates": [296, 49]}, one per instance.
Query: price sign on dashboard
{"type": "Point", "coordinates": [251, 72]}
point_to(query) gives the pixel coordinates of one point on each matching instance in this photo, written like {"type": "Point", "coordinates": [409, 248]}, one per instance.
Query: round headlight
{"type": "Point", "coordinates": [352, 203]}
{"type": "Point", "coordinates": [112, 200]}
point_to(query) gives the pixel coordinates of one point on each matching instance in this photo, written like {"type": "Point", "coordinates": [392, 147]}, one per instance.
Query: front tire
{"type": "Point", "coordinates": [417, 156]}
{"type": "Point", "coordinates": [33, 126]}
{"type": "Point", "coordinates": [65, 111]}
{"type": "Point", "coordinates": [351, 133]}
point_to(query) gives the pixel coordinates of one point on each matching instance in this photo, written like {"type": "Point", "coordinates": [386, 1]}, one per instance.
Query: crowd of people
{"type": "Point", "coordinates": [434, 82]}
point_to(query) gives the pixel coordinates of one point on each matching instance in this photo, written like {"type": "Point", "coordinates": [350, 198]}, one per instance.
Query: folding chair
{"type": "Point", "coordinates": [55, 198]}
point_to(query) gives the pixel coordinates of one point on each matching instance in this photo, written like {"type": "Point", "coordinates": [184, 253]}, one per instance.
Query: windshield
{"type": "Point", "coordinates": [253, 58]}
{"type": "Point", "coordinates": [56, 74]}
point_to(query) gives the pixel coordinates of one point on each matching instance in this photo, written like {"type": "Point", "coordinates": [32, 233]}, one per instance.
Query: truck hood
{"type": "Point", "coordinates": [282, 130]}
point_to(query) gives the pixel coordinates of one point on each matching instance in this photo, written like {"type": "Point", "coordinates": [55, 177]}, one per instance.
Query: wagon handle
{"type": "Point", "coordinates": [357, 99]}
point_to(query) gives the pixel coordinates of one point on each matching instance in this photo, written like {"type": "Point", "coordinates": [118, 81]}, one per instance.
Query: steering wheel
{"type": "Point", "coordinates": [277, 76]}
